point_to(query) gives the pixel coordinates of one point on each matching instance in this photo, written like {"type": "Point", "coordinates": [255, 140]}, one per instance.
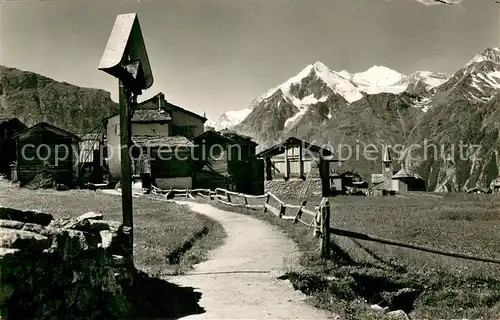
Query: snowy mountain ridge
{"type": "Point", "coordinates": [350, 86]}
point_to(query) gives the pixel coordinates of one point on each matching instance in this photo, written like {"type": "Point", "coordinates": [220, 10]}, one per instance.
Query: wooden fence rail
{"type": "Point", "coordinates": [320, 222]}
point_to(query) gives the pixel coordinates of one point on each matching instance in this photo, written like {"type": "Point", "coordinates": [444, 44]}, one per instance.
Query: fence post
{"type": "Point", "coordinates": [267, 201]}
{"type": "Point", "coordinates": [210, 195]}
{"type": "Point", "coordinates": [246, 200]}
{"type": "Point", "coordinates": [325, 229]}
{"type": "Point", "coordinates": [228, 197]}
{"type": "Point", "coordinates": [282, 210]}
{"type": "Point", "coordinates": [299, 212]}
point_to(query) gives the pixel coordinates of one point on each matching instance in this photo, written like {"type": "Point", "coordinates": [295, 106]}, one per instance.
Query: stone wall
{"type": "Point", "coordinates": [62, 268]}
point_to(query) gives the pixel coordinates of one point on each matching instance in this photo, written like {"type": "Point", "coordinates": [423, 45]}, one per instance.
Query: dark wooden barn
{"type": "Point", "coordinates": [44, 147]}
{"type": "Point", "coordinates": [8, 128]}
{"type": "Point", "coordinates": [166, 158]}
{"type": "Point", "coordinates": [225, 159]}
{"type": "Point", "coordinates": [293, 158]}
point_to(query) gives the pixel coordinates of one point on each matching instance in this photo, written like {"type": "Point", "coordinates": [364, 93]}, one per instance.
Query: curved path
{"type": "Point", "coordinates": [239, 281]}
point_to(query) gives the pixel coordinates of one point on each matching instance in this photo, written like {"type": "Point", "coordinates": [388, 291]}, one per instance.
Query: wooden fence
{"type": "Point", "coordinates": [319, 218]}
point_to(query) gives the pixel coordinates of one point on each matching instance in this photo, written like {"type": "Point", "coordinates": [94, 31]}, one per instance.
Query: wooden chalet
{"type": "Point", "coordinates": [225, 159]}
{"type": "Point", "coordinates": [167, 158]}
{"type": "Point", "coordinates": [44, 147]}
{"type": "Point", "coordinates": [8, 128]}
{"type": "Point", "coordinates": [293, 158]}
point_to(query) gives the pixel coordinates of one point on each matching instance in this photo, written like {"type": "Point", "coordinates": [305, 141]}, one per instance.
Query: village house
{"type": "Point", "coordinates": [154, 120]}
{"type": "Point", "coordinates": [224, 159]}
{"type": "Point", "coordinates": [44, 147]}
{"type": "Point", "coordinates": [292, 159]}
{"type": "Point", "coordinates": [8, 128]}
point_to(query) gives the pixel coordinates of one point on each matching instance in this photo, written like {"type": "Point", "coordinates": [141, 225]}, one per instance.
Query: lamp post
{"type": "Point", "coordinates": [126, 59]}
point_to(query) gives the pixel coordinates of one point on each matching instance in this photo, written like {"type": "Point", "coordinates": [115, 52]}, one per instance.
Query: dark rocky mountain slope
{"type": "Point", "coordinates": [34, 98]}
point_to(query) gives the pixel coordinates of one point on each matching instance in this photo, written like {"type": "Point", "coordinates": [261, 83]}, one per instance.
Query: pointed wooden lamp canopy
{"type": "Point", "coordinates": [125, 56]}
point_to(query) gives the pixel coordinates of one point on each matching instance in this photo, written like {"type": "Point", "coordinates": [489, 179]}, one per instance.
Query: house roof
{"type": "Point", "coordinates": [403, 173]}
{"type": "Point", "coordinates": [6, 120]}
{"type": "Point", "coordinates": [237, 136]}
{"type": "Point", "coordinates": [91, 136]}
{"type": "Point", "coordinates": [146, 115]}
{"type": "Point", "coordinates": [46, 125]}
{"type": "Point", "coordinates": [157, 114]}
{"type": "Point", "coordinates": [230, 137]}
{"type": "Point", "coordinates": [161, 141]}
{"type": "Point", "coordinates": [151, 115]}
{"type": "Point", "coordinates": [168, 105]}
{"type": "Point", "coordinates": [291, 142]}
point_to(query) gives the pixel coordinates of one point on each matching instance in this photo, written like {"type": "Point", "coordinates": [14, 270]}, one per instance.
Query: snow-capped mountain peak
{"type": "Point", "coordinates": [327, 82]}
{"type": "Point", "coordinates": [229, 119]}
{"type": "Point", "coordinates": [379, 79]}
{"type": "Point", "coordinates": [489, 54]}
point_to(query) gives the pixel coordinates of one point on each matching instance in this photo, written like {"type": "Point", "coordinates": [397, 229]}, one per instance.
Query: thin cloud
{"type": "Point", "coordinates": [437, 2]}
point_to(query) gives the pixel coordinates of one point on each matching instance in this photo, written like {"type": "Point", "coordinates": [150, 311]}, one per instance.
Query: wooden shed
{"type": "Point", "coordinates": [293, 158]}
{"type": "Point", "coordinates": [44, 147]}
{"type": "Point", "coordinates": [225, 159]}
{"type": "Point", "coordinates": [167, 158]}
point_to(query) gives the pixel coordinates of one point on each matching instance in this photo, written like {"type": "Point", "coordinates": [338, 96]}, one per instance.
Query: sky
{"type": "Point", "coordinates": [218, 55]}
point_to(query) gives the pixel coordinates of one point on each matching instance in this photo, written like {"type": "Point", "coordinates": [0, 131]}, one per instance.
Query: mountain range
{"type": "Point", "coordinates": [418, 112]}
{"type": "Point", "coordinates": [33, 98]}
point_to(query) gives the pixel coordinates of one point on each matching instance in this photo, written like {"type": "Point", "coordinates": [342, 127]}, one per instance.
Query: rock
{"type": "Point", "coordinates": [376, 307]}
{"type": "Point", "coordinates": [68, 243]}
{"type": "Point", "coordinates": [106, 238]}
{"type": "Point", "coordinates": [4, 252]}
{"type": "Point", "coordinates": [402, 299]}
{"type": "Point", "coordinates": [11, 224]}
{"type": "Point", "coordinates": [117, 261]}
{"type": "Point", "coordinates": [29, 216]}
{"type": "Point", "coordinates": [91, 215]}
{"type": "Point", "coordinates": [74, 224]}
{"type": "Point", "coordinates": [20, 239]}
{"type": "Point", "coordinates": [6, 291]}
{"type": "Point", "coordinates": [397, 315]}
{"type": "Point", "coordinates": [114, 226]}
{"type": "Point", "coordinates": [98, 225]}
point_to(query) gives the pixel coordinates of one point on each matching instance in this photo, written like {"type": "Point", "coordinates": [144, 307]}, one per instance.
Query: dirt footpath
{"type": "Point", "coordinates": [239, 280]}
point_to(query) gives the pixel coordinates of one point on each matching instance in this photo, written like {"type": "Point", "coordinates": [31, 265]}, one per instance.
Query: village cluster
{"type": "Point", "coordinates": [160, 129]}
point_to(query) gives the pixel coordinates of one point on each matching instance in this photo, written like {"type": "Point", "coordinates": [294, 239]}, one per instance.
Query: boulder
{"type": "Point", "coordinates": [27, 216]}
{"type": "Point", "coordinates": [397, 315]}
{"type": "Point", "coordinates": [91, 215]}
{"type": "Point", "coordinates": [20, 239]}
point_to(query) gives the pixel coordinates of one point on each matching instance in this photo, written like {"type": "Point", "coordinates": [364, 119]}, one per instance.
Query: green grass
{"type": "Point", "coordinates": [168, 238]}
{"type": "Point", "coordinates": [366, 273]}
